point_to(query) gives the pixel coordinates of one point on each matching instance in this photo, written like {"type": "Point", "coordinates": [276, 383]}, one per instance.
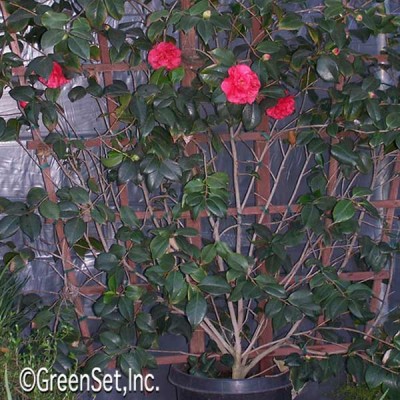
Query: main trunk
{"type": "Point", "coordinates": [238, 370]}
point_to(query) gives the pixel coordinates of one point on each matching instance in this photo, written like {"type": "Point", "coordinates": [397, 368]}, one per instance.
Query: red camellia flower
{"type": "Point", "coordinates": [56, 78]}
{"type": "Point", "coordinates": [283, 108]}
{"type": "Point", "coordinates": [22, 103]}
{"type": "Point", "coordinates": [242, 85]}
{"type": "Point", "coordinates": [165, 54]}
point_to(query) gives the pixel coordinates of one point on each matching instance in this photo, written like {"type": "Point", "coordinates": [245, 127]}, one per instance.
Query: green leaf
{"type": "Point", "coordinates": [393, 120]}
{"type": "Point", "coordinates": [328, 69]}
{"type": "Point", "coordinates": [81, 29]}
{"type": "Point", "coordinates": [374, 376]}
{"type": "Point", "coordinates": [31, 225]}
{"type": "Point", "coordinates": [115, 8]}
{"type": "Point", "coordinates": [79, 47]}
{"type": "Point", "coordinates": [269, 47]}
{"type": "Point", "coordinates": [205, 30]}
{"type": "Point", "coordinates": [54, 20]}
{"type": "Point", "coordinates": [111, 340]}
{"type": "Point", "coordinates": [79, 195]}
{"type": "Point", "coordinates": [50, 210]}
{"type": "Point", "coordinates": [99, 360]}
{"type": "Point", "coordinates": [134, 292]}
{"type": "Point", "coordinates": [130, 364]}
{"type": "Point", "coordinates": [373, 109]}
{"type": "Point", "coordinates": [51, 38]}
{"type": "Point", "coordinates": [208, 253]}
{"type": "Point", "coordinates": [343, 211]}
{"type": "Point", "coordinates": [74, 230]}
{"type": "Point", "coordinates": [199, 7]}
{"type": "Point", "coordinates": [113, 159]}
{"type": "Point", "coordinates": [35, 196]}
{"type": "Point", "coordinates": [310, 215]}
{"type": "Point", "coordinates": [22, 93]}
{"type": "Point", "coordinates": [344, 154]}
{"type": "Point", "coordinates": [251, 116]}
{"type": "Point", "coordinates": [336, 307]}
{"type": "Point", "coordinates": [49, 115]}
{"type": "Point", "coordinates": [116, 37]}
{"type": "Point", "coordinates": [224, 56]}
{"type": "Point", "coordinates": [238, 262]}
{"type": "Point", "coordinates": [273, 307]}
{"type": "Point", "coordinates": [359, 191]}
{"type": "Point", "coordinates": [96, 13]}
{"type": "Point", "coordinates": [159, 246]}
{"type": "Point", "coordinates": [128, 217]}
{"type": "Point", "coordinates": [76, 93]}
{"type": "Point", "coordinates": [215, 285]}
{"type": "Point", "coordinates": [196, 309]}
{"type": "Point", "coordinates": [144, 322]}
{"type": "Point", "coordinates": [18, 20]}
{"type": "Point", "coordinates": [8, 226]}
{"type": "Point", "coordinates": [125, 307]}
{"type": "Point", "coordinates": [290, 22]}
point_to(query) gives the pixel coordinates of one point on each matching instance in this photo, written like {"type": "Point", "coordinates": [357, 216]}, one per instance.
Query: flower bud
{"type": "Point", "coordinates": [207, 14]}
{"type": "Point", "coordinates": [372, 95]}
{"type": "Point", "coordinates": [359, 18]}
{"type": "Point", "coordinates": [266, 57]}
{"type": "Point", "coordinates": [336, 51]}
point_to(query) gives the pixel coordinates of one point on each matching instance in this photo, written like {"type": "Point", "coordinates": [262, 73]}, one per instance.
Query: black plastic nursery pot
{"type": "Point", "coordinates": [191, 387]}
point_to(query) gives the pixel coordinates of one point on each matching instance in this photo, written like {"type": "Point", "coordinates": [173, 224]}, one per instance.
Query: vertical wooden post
{"type": "Point", "coordinates": [188, 47]}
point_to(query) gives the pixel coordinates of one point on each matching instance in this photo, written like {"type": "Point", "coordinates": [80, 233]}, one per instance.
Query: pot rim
{"type": "Point", "coordinates": [183, 380]}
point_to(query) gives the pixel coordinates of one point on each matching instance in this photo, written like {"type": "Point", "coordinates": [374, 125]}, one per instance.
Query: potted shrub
{"type": "Point", "coordinates": [257, 157]}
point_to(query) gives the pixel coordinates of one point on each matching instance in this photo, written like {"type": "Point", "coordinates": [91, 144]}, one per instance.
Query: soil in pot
{"type": "Point", "coordinates": [198, 388]}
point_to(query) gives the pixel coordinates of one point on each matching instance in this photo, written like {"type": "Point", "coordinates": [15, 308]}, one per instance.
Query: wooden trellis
{"type": "Point", "coordinates": [263, 188]}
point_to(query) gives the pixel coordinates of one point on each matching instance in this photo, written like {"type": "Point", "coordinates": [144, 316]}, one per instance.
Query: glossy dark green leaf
{"type": "Point", "coordinates": [196, 309]}
{"type": "Point", "coordinates": [96, 13]}
{"type": "Point", "coordinates": [328, 69]}
{"type": "Point", "coordinates": [115, 8]}
{"type": "Point", "coordinates": [343, 211]}
{"type": "Point", "coordinates": [31, 225]}
{"type": "Point", "coordinates": [22, 93]}
{"type": "Point", "coordinates": [113, 159]}
{"type": "Point", "coordinates": [52, 37]}
{"type": "Point", "coordinates": [79, 47]}
{"type": "Point", "coordinates": [291, 21]}
{"type": "Point", "coordinates": [106, 262]}
{"type": "Point", "coordinates": [158, 246]}
{"type": "Point", "coordinates": [144, 322]}
{"type": "Point", "coordinates": [251, 116]}
{"type": "Point", "coordinates": [79, 195]}
{"type": "Point", "coordinates": [215, 285]}
{"type": "Point", "coordinates": [74, 230]}
{"type": "Point", "coordinates": [49, 209]}
{"type": "Point", "coordinates": [374, 376]}
{"type": "Point", "coordinates": [344, 154]}
{"type": "Point", "coordinates": [54, 20]}
{"type": "Point", "coordinates": [205, 29]}
{"type": "Point", "coordinates": [111, 340]}
{"type": "Point", "coordinates": [130, 364]}
{"type": "Point", "coordinates": [310, 215]}
{"type": "Point", "coordinates": [393, 120]}
{"type": "Point", "coordinates": [128, 217]}
{"type": "Point", "coordinates": [35, 196]}
{"type": "Point", "coordinates": [8, 226]}
{"type": "Point", "coordinates": [76, 93]}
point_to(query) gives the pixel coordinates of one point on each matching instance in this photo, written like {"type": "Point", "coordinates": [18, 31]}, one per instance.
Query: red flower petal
{"type": "Point", "coordinates": [283, 108]}
{"type": "Point", "coordinates": [242, 85]}
{"type": "Point", "coordinates": [165, 54]}
{"type": "Point", "coordinates": [56, 78]}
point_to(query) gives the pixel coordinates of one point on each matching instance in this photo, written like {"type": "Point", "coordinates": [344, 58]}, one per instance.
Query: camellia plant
{"type": "Point", "coordinates": [235, 183]}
